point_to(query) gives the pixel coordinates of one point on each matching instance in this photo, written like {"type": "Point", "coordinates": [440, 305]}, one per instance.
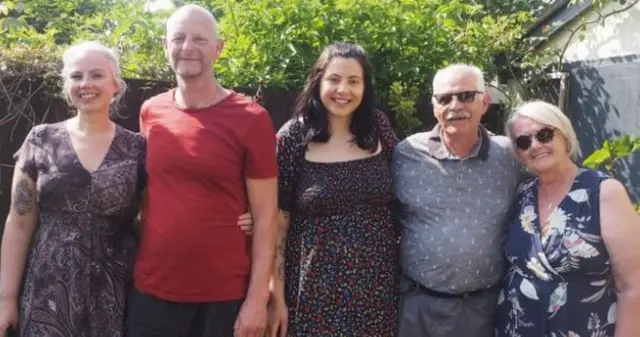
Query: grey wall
{"type": "Point", "coordinates": [604, 101]}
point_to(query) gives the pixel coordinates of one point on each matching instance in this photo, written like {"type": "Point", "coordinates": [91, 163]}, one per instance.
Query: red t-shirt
{"type": "Point", "coordinates": [192, 248]}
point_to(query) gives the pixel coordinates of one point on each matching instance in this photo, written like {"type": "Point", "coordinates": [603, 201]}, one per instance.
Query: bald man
{"type": "Point", "coordinates": [209, 151]}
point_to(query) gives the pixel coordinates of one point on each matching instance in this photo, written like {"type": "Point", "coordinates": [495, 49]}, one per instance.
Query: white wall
{"type": "Point", "coordinates": [619, 36]}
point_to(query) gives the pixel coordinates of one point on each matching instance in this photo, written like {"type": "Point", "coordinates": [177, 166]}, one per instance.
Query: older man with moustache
{"type": "Point", "coordinates": [455, 184]}
{"type": "Point", "coordinates": [209, 150]}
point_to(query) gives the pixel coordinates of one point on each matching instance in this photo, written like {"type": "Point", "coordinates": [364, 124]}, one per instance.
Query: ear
{"type": "Point", "coordinates": [564, 141]}
{"type": "Point", "coordinates": [164, 44]}
{"type": "Point", "coordinates": [485, 103]}
{"type": "Point", "coordinates": [219, 47]}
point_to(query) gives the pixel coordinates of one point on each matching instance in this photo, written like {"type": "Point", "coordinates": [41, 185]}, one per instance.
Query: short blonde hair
{"type": "Point", "coordinates": [80, 48]}
{"type": "Point", "coordinates": [547, 114]}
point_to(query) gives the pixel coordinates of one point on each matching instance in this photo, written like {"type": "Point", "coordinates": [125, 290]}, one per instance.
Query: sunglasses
{"type": "Point", "coordinates": [463, 97]}
{"type": "Point", "coordinates": [543, 136]}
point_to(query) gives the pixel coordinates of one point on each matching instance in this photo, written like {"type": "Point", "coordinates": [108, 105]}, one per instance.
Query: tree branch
{"type": "Point", "coordinates": [582, 25]}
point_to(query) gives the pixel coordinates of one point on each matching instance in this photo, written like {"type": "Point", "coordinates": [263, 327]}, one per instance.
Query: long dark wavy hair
{"type": "Point", "coordinates": [314, 114]}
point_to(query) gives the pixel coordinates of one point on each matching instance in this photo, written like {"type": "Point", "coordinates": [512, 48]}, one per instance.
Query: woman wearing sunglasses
{"type": "Point", "coordinates": [572, 247]}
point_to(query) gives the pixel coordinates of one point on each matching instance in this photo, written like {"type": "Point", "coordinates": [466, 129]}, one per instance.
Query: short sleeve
{"type": "Point", "coordinates": [388, 137]}
{"type": "Point", "coordinates": [260, 144]}
{"type": "Point", "coordinates": [26, 156]}
{"type": "Point", "coordinates": [289, 143]}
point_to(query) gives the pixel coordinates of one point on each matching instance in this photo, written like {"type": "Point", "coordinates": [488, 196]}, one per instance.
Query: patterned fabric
{"type": "Point", "coordinates": [560, 281]}
{"type": "Point", "coordinates": [454, 212]}
{"type": "Point", "coordinates": [79, 269]}
{"type": "Point", "coordinates": [341, 274]}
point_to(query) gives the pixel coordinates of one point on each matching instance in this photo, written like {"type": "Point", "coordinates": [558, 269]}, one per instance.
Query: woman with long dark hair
{"type": "Point", "coordinates": [336, 267]}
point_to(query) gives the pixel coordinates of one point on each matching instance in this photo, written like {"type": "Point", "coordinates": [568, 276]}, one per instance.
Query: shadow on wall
{"type": "Point", "coordinates": [618, 36]}
{"type": "Point", "coordinates": [604, 101]}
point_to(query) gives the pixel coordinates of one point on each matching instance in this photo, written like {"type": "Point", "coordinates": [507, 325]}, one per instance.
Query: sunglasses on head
{"type": "Point", "coordinates": [543, 136]}
{"type": "Point", "coordinates": [463, 97]}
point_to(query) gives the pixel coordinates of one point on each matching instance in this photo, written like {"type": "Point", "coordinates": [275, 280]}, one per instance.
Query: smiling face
{"type": "Point", "coordinates": [191, 44]}
{"type": "Point", "coordinates": [458, 105]}
{"type": "Point", "coordinates": [342, 86]}
{"type": "Point", "coordinates": [90, 82]}
{"type": "Point", "coordinates": [545, 152]}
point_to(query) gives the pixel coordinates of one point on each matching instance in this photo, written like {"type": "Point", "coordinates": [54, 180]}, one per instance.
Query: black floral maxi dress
{"type": "Point", "coordinates": [78, 272]}
{"type": "Point", "coordinates": [341, 271]}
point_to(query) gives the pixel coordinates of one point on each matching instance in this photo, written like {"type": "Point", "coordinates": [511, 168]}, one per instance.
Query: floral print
{"type": "Point", "coordinates": [341, 273]}
{"type": "Point", "coordinates": [559, 282]}
{"type": "Point", "coordinates": [526, 219]}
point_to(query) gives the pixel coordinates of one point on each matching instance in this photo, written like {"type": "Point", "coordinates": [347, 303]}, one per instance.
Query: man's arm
{"type": "Point", "coordinates": [263, 202]}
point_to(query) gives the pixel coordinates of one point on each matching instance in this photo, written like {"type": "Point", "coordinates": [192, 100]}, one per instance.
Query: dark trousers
{"type": "Point", "coordinates": [426, 315]}
{"type": "Point", "coordinates": [148, 316]}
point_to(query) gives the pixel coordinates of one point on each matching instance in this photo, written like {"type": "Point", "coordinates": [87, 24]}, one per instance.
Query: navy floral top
{"type": "Point", "coordinates": [560, 281]}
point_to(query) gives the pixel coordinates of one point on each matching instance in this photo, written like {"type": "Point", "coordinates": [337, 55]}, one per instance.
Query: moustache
{"type": "Point", "coordinates": [458, 117]}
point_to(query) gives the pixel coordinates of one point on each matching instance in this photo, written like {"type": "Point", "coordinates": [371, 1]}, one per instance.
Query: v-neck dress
{"type": "Point", "coordinates": [559, 283]}
{"type": "Point", "coordinates": [79, 267]}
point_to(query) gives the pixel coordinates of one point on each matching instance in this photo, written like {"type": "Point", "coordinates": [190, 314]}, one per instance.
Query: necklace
{"type": "Point", "coordinates": [565, 188]}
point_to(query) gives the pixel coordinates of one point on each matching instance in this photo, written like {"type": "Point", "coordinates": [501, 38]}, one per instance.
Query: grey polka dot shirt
{"type": "Point", "coordinates": [454, 210]}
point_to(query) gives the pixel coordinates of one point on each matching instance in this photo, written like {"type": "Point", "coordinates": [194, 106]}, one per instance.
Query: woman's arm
{"type": "Point", "coordinates": [281, 244]}
{"type": "Point", "coordinates": [620, 228]}
{"type": "Point", "coordinates": [18, 231]}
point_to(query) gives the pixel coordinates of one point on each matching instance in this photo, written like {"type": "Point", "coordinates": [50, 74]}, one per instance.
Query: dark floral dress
{"type": "Point", "coordinates": [341, 272]}
{"type": "Point", "coordinates": [559, 283]}
{"type": "Point", "coordinates": [79, 267]}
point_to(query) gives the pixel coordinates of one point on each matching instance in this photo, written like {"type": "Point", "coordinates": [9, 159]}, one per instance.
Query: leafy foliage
{"type": "Point", "coordinates": [501, 7]}
{"type": "Point", "coordinates": [276, 42]}
{"type": "Point", "coordinates": [612, 151]}
{"type": "Point", "coordinates": [408, 41]}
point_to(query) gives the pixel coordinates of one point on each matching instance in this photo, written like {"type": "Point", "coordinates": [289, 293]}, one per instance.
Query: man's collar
{"type": "Point", "coordinates": [438, 149]}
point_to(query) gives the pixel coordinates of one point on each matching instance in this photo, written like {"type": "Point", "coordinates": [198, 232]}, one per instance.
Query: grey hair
{"type": "Point", "coordinates": [547, 114]}
{"type": "Point", "coordinates": [80, 48]}
{"type": "Point", "coordinates": [191, 8]}
{"type": "Point", "coordinates": [457, 69]}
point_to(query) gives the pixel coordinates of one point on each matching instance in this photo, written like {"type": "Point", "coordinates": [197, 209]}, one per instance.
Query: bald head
{"type": "Point", "coordinates": [192, 13]}
{"type": "Point", "coordinates": [191, 43]}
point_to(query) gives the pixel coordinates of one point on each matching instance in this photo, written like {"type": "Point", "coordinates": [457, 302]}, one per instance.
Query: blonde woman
{"type": "Point", "coordinates": [76, 186]}
{"type": "Point", "coordinates": [572, 247]}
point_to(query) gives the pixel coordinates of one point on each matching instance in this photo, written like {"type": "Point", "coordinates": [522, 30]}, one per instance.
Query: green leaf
{"type": "Point", "coordinates": [597, 158]}
{"type": "Point", "coordinates": [636, 144]}
{"type": "Point", "coordinates": [622, 146]}
{"type": "Point", "coordinates": [4, 8]}
{"type": "Point", "coordinates": [19, 8]}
